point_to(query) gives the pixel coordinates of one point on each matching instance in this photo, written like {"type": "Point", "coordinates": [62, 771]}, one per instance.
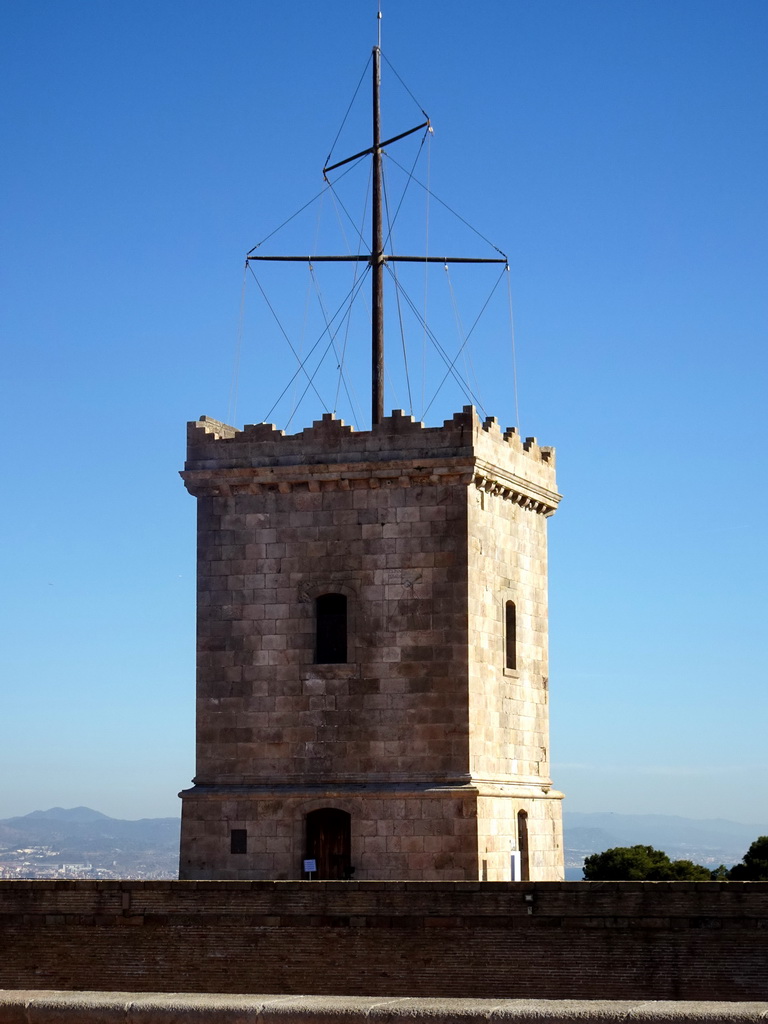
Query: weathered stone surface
{"type": "Point", "coordinates": [35, 1007]}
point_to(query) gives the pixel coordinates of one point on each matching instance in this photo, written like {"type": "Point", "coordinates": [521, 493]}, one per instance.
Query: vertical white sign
{"type": "Point", "coordinates": [516, 867]}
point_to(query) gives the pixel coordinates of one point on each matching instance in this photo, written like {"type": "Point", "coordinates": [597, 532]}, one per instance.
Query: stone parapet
{"type": "Point", "coordinates": [398, 451]}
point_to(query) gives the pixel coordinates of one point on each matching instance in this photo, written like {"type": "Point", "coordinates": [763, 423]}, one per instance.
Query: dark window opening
{"type": "Point", "coordinates": [331, 629]}
{"type": "Point", "coordinates": [510, 634]}
{"type": "Point", "coordinates": [329, 842]}
{"type": "Point", "coordinates": [238, 840]}
{"type": "Point", "coordinates": [522, 845]}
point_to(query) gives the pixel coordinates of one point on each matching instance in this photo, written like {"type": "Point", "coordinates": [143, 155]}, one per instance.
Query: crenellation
{"type": "Point", "coordinates": [208, 425]}
{"type": "Point", "coordinates": [211, 444]}
{"type": "Point", "coordinates": [260, 432]}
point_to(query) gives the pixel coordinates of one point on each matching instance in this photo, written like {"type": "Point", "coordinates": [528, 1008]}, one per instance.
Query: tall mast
{"type": "Point", "coordinates": [377, 256]}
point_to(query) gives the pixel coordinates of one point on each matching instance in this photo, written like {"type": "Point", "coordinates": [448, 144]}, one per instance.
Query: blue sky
{"type": "Point", "coordinates": [616, 151]}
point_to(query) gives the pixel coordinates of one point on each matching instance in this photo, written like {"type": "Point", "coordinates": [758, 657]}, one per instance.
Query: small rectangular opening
{"type": "Point", "coordinates": [510, 635]}
{"type": "Point", "coordinates": [238, 840]}
{"type": "Point", "coordinates": [331, 629]}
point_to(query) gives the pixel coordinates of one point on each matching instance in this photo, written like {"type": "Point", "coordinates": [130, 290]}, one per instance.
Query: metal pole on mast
{"type": "Point", "coordinates": [377, 257]}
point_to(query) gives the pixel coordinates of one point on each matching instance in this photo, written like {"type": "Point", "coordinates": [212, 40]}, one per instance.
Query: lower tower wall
{"type": "Point", "coordinates": [440, 833]}
{"type": "Point", "coordinates": [392, 834]}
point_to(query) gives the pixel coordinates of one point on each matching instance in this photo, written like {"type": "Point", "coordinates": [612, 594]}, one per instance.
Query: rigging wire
{"type": "Point", "coordinates": [338, 203]}
{"type": "Point", "coordinates": [319, 364]}
{"type": "Point", "coordinates": [308, 291]}
{"type": "Point", "coordinates": [390, 225]}
{"type": "Point", "coordinates": [469, 366]}
{"type": "Point", "coordinates": [514, 354]}
{"type": "Point", "coordinates": [410, 178]}
{"type": "Point", "coordinates": [451, 210]}
{"type": "Point", "coordinates": [234, 386]}
{"type": "Point", "coordinates": [339, 359]}
{"type": "Point", "coordinates": [300, 361]}
{"type": "Point", "coordinates": [394, 71]}
{"type": "Point", "coordinates": [426, 280]}
{"type": "Point", "coordinates": [356, 271]}
{"type": "Point", "coordinates": [471, 331]}
{"type": "Point", "coordinates": [301, 209]}
{"type": "Point", "coordinates": [302, 368]}
{"type": "Point", "coordinates": [457, 318]}
{"type": "Point", "coordinates": [347, 214]}
{"type": "Point", "coordinates": [351, 102]}
{"type": "Point", "coordinates": [463, 385]}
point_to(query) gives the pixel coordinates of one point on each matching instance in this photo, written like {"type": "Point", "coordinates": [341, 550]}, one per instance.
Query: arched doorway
{"type": "Point", "coordinates": [329, 842]}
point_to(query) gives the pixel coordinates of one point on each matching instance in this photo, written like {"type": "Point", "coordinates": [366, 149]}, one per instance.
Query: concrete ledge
{"type": "Point", "coordinates": [47, 1007]}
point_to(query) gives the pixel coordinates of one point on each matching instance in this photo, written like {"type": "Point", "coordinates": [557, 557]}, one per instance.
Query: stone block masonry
{"type": "Point", "coordinates": [424, 732]}
{"type": "Point", "coordinates": [470, 940]}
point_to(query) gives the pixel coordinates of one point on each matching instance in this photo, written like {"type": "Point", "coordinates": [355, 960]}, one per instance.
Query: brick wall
{"type": "Point", "coordinates": [576, 940]}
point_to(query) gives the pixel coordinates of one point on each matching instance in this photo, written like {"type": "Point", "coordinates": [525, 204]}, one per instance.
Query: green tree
{"type": "Point", "coordinates": [754, 864]}
{"type": "Point", "coordinates": [687, 871]}
{"type": "Point", "coordinates": [641, 864]}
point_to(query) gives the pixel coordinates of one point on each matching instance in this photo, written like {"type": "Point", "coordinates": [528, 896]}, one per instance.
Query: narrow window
{"type": "Point", "coordinates": [522, 845]}
{"type": "Point", "coordinates": [510, 634]}
{"type": "Point", "coordinates": [331, 629]}
{"type": "Point", "coordinates": [238, 840]}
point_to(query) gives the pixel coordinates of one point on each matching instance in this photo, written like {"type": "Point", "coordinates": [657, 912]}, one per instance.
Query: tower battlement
{"type": "Point", "coordinates": [223, 461]}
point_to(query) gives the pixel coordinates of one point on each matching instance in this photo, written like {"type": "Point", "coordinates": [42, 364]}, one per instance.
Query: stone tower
{"type": "Point", "coordinates": [372, 653]}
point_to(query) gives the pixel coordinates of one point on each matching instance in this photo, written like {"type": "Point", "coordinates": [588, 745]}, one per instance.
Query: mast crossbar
{"type": "Point", "coordinates": [440, 259]}
{"type": "Point", "coordinates": [366, 258]}
{"type": "Point", "coordinates": [367, 152]}
{"type": "Point", "coordinates": [313, 259]}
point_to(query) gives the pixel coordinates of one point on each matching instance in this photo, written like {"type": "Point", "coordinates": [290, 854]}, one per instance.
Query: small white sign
{"type": "Point", "coordinates": [310, 866]}
{"type": "Point", "coordinates": [516, 866]}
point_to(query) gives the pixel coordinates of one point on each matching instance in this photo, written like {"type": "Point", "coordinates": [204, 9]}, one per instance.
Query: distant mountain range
{"type": "Point", "coordinates": [80, 842]}
{"type": "Point", "coordinates": [709, 841]}
{"type": "Point", "coordinates": [66, 814]}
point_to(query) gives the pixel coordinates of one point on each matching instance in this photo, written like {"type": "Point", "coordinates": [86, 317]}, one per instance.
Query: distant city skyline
{"type": "Point", "coordinates": [617, 153]}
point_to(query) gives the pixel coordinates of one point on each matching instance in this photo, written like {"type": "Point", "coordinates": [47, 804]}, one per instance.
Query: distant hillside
{"type": "Point", "coordinates": [81, 842]}
{"type": "Point", "coordinates": [65, 814]}
{"type": "Point", "coordinates": [704, 841]}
